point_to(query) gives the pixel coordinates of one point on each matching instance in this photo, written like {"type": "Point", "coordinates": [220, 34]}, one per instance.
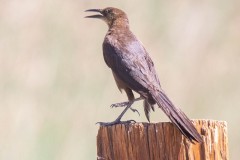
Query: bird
{"type": "Point", "coordinates": [133, 70]}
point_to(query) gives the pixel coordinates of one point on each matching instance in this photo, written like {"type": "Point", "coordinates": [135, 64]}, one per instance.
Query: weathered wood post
{"type": "Point", "coordinates": [162, 141]}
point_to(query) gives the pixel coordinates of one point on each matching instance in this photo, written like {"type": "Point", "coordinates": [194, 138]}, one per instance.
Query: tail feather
{"type": "Point", "coordinates": [177, 117]}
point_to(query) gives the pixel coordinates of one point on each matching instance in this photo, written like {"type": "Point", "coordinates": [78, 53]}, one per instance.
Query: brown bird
{"type": "Point", "coordinates": [134, 70]}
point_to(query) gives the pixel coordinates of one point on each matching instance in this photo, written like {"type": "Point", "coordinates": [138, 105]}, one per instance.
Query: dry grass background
{"type": "Point", "coordinates": [54, 84]}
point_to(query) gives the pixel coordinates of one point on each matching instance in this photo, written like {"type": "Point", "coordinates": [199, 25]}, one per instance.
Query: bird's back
{"type": "Point", "coordinates": [129, 60]}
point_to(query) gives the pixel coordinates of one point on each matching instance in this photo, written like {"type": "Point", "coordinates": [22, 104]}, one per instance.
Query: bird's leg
{"type": "Point", "coordinates": [124, 104]}
{"type": "Point", "coordinates": [118, 120]}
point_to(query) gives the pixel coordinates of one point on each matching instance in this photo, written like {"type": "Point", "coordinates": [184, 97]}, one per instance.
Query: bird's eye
{"type": "Point", "coordinates": [107, 11]}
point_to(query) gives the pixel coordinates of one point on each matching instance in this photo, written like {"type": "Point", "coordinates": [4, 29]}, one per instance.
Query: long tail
{"type": "Point", "coordinates": [177, 117]}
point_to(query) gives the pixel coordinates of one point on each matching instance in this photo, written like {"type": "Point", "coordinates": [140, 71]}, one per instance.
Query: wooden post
{"type": "Point", "coordinates": [162, 141]}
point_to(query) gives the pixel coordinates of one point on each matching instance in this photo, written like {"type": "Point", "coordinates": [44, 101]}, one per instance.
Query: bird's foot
{"type": "Point", "coordinates": [124, 104]}
{"type": "Point", "coordinates": [127, 103]}
{"type": "Point", "coordinates": [115, 122]}
{"type": "Point", "coordinates": [135, 110]}
{"type": "Point", "coordinates": [118, 120]}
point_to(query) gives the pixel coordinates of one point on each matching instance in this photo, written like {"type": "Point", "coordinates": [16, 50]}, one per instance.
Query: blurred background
{"type": "Point", "coordinates": [54, 84]}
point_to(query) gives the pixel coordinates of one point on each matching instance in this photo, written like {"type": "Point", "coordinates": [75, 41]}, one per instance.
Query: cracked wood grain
{"type": "Point", "coordinates": [162, 141]}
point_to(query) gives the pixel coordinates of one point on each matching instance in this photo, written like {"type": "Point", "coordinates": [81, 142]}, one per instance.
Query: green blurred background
{"type": "Point", "coordinates": [54, 84]}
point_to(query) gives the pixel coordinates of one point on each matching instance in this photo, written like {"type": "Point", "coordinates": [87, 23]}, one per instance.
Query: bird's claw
{"type": "Point", "coordinates": [122, 104]}
{"type": "Point", "coordinates": [115, 122]}
{"type": "Point", "coordinates": [135, 110]}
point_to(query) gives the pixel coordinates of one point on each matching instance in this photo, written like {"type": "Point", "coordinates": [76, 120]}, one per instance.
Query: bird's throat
{"type": "Point", "coordinates": [119, 23]}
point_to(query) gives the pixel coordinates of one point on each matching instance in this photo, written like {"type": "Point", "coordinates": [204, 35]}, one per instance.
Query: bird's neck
{"type": "Point", "coordinates": [119, 23]}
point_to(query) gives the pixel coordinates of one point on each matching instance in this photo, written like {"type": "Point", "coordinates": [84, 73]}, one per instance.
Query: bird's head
{"type": "Point", "coordinates": [112, 16]}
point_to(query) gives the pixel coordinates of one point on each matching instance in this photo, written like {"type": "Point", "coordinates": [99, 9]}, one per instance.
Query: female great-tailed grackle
{"type": "Point", "coordinates": [134, 70]}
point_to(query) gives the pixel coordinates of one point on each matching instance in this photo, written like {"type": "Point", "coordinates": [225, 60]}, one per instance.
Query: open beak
{"type": "Point", "coordinates": [100, 16]}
